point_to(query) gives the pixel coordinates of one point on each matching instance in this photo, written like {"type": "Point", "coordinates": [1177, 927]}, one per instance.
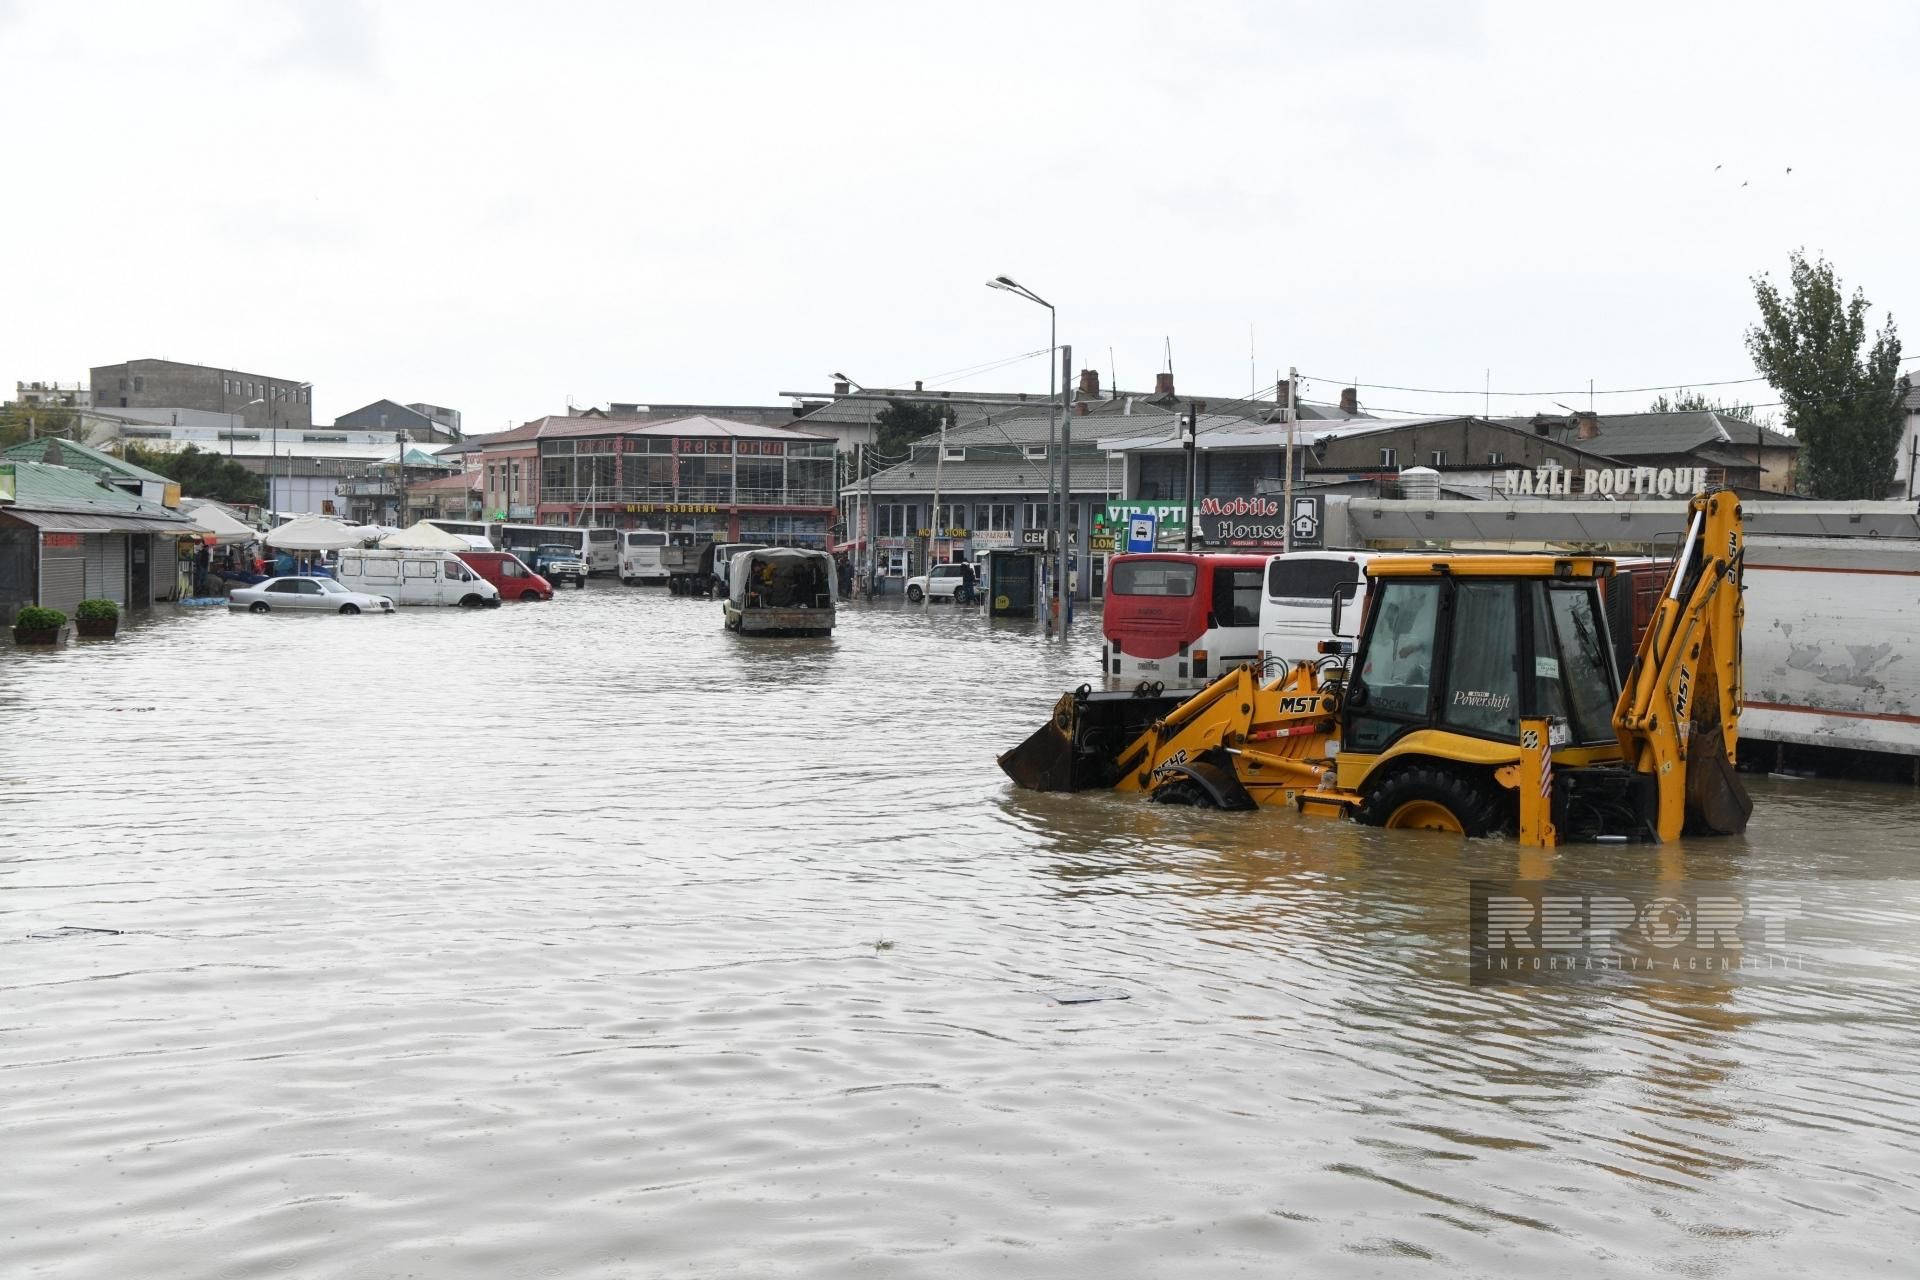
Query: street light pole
{"type": "Point", "coordinates": [1055, 502]}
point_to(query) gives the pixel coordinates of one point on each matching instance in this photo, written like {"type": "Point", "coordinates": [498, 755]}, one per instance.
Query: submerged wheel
{"type": "Point", "coordinates": [915, 594]}
{"type": "Point", "coordinates": [349, 608]}
{"type": "Point", "coordinates": [1436, 797]}
{"type": "Point", "coordinates": [471, 602]}
{"type": "Point", "coordinates": [529, 594]}
{"type": "Point", "coordinates": [258, 606]}
{"type": "Point", "coordinates": [1183, 791]}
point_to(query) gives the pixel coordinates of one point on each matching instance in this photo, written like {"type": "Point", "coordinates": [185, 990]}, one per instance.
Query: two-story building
{"type": "Point", "coordinates": [707, 478]}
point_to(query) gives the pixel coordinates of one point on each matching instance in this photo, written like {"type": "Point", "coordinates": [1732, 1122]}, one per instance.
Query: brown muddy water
{"type": "Point", "coordinates": [586, 939]}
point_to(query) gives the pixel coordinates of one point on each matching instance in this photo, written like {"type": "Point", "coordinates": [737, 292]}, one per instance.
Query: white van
{"type": "Point", "coordinates": [415, 577]}
{"type": "Point", "coordinates": [1296, 608]}
{"type": "Point", "coordinates": [640, 556]}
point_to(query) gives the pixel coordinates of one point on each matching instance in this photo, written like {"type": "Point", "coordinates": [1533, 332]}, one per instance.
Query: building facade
{"type": "Point", "coordinates": [65, 395]}
{"type": "Point", "coordinates": [261, 401]}
{"type": "Point", "coordinates": [391, 416]}
{"type": "Point", "coordinates": [69, 534]}
{"type": "Point", "coordinates": [704, 478]}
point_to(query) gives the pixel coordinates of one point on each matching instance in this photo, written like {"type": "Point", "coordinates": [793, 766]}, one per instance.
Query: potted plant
{"type": "Point", "coordinates": [35, 625]}
{"type": "Point", "coordinates": [97, 618]}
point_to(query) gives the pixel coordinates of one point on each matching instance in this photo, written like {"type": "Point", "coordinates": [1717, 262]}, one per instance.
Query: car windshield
{"type": "Point", "coordinates": [555, 549]}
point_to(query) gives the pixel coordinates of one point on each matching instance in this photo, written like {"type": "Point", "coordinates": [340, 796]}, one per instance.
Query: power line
{"type": "Point", "coordinates": [1613, 391]}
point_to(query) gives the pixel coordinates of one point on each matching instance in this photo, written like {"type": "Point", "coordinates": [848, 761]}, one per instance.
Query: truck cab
{"type": "Point", "coordinates": [558, 562]}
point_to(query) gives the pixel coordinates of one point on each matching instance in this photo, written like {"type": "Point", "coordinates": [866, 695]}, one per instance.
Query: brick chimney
{"type": "Point", "coordinates": [1350, 401]}
{"type": "Point", "coordinates": [1089, 384]}
{"type": "Point", "coordinates": [841, 388]}
{"type": "Point", "coordinates": [917, 386]}
{"type": "Point", "coordinates": [1163, 386]}
{"type": "Point", "coordinates": [1586, 425]}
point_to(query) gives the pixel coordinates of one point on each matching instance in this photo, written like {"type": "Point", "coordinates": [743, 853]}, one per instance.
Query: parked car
{"type": "Point", "coordinates": [509, 575]}
{"type": "Point", "coordinates": [319, 594]}
{"type": "Point", "coordinates": [556, 561]}
{"type": "Point", "coordinates": [943, 582]}
{"type": "Point", "coordinates": [416, 577]}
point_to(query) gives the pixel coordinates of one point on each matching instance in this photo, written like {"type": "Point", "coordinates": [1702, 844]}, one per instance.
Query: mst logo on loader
{"type": "Point", "coordinates": [1304, 706]}
{"type": "Point", "coordinates": [1682, 689]}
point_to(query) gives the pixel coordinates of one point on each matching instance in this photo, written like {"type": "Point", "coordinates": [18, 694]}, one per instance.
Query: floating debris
{"type": "Point", "coordinates": [1087, 995]}
{"type": "Point", "coordinates": [71, 931]}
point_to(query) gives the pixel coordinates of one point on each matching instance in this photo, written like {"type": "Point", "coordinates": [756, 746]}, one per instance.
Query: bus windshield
{"type": "Point", "coordinates": [1153, 578]}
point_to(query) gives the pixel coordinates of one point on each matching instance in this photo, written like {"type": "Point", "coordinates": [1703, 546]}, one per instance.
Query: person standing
{"type": "Point", "coordinates": [202, 561]}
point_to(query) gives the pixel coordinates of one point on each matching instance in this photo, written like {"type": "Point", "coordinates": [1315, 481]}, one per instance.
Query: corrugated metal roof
{"type": "Point", "coordinates": [81, 457]}
{"type": "Point", "coordinates": [42, 487]}
{"type": "Point", "coordinates": [1005, 472]}
{"type": "Point", "coordinates": [557, 426]}
{"type": "Point", "coordinates": [77, 522]}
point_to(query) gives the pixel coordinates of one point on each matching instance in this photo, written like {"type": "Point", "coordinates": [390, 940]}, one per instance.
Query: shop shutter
{"type": "Point", "coordinates": [107, 567]}
{"type": "Point", "coordinates": [63, 578]}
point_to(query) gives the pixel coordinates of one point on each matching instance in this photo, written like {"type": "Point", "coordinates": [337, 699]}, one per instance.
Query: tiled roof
{"type": "Point", "coordinates": [1637, 435]}
{"type": "Point", "coordinates": [994, 471]}
{"type": "Point", "coordinates": [456, 482]}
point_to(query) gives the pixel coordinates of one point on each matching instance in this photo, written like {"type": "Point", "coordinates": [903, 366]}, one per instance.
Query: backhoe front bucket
{"type": "Point", "coordinates": [1079, 747]}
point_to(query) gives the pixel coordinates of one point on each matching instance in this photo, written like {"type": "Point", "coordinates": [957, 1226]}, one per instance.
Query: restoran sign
{"type": "Point", "coordinates": [1645, 482]}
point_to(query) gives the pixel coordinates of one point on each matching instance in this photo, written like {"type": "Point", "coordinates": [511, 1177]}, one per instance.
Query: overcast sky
{"type": "Point", "coordinates": [501, 207]}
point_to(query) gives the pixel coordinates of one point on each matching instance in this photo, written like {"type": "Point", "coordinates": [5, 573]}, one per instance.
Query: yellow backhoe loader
{"type": "Point", "coordinates": [1481, 698]}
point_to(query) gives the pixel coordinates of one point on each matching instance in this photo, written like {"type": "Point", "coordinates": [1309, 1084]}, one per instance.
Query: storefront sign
{"type": "Point", "coordinates": [703, 446]}
{"type": "Point", "coordinates": [761, 448]}
{"type": "Point", "coordinates": [67, 541]}
{"type": "Point", "coordinates": [1647, 482]}
{"type": "Point", "coordinates": [1170, 517]}
{"type": "Point", "coordinates": [1102, 542]}
{"type": "Point", "coordinates": [1033, 538]}
{"type": "Point", "coordinates": [942, 533]}
{"type": "Point", "coordinates": [670, 508]}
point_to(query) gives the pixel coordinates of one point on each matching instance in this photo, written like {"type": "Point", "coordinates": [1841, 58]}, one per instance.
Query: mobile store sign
{"type": "Point", "coordinates": [1111, 520]}
{"type": "Point", "coordinates": [1258, 521]}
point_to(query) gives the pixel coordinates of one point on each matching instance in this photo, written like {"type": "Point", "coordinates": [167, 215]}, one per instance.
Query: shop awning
{"type": "Point", "coordinates": [78, 522]}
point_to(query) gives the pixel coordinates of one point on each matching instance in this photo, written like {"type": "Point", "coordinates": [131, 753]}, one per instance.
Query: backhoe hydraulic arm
{"type": "Point", "coordinates": [1678, 714]}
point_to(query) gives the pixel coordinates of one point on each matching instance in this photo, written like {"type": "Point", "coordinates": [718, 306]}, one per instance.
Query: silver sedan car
{"type": "Point", "coordinates": [321, 594]}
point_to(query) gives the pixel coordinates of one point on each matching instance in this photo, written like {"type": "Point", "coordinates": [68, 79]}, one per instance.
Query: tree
{"type": "Point", "coordinates": [35, 422]}
{"type": "Point", "coordinates": [903, 422]}
{"type": "Point", "coordinates": [203, 475]}
{"type": "Point", "coordinates": [1844, 408]}
{"type": "Point", "coordinates": [1687, 400]}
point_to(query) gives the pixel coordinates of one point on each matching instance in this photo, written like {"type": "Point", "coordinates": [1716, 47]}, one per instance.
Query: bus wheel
{"type": "Point", "coordinates": [1433, 797]}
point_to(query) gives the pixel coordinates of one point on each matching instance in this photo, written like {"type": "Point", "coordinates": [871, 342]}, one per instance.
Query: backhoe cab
{"type": "Point", "coordinates": [1481, 698]}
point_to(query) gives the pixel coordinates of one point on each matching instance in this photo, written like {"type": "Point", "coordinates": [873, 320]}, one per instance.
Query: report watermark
{"type": "Point", "coordinates": [1532, 930]}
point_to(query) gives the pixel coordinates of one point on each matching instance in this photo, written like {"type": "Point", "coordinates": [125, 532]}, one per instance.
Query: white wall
{"type": "Point", "coordinates": [302, 495]}
{"type": "Point", "coordinates": [1903, 461]}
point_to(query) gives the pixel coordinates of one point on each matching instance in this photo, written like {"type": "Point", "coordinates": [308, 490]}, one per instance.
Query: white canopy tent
{"type": "Point", "coordinates": [424, 537]}
{"type": "Point", "coordinates": [226, 530]}
{"type": "Point", "coordinates": [316, 533]}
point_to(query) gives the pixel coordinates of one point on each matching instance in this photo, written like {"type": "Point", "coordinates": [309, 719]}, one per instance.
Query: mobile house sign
{"type": "Point", "coordinates": [1643, 482]}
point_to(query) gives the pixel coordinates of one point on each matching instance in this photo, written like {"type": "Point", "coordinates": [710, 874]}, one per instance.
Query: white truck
{"type": "Point", "coordinates": [415, 577]}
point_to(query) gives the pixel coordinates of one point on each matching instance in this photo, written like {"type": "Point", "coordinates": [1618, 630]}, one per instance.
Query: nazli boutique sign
{"type": "Point", "coordinates": [1637, 482]}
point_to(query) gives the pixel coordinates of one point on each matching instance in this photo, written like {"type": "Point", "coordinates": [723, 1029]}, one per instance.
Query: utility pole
{"type": "Point", "coordinates": [1066, 489]}
{"type": "Point", "coordinates": [1293, 415]}
{"type": "Point", "coordinates": [933, 517]}
{"type": "Point", "coordinates": [1192, 433]}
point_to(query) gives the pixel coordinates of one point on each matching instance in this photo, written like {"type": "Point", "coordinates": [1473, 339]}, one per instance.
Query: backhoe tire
{"type": "Point", "coordinates": [1436, 797]}
{"type": "Point", "coordinates": [1183, 791]}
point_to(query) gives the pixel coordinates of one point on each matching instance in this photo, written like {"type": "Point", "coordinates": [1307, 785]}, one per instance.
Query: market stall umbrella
{"type": "Point", "coordinates": [315, 533]}
{"type": "Point", "coordinates": [424, 537]}
{"type": "Point", "coordinates": [225, 529]}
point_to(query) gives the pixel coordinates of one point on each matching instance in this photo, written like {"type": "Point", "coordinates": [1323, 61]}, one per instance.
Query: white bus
{"type": "Point", "coordinates": [1296, 609]}
{"type": "Point", "coordinates": [640, 556]}
{"type": "Point", "coordinates": [600, 548]}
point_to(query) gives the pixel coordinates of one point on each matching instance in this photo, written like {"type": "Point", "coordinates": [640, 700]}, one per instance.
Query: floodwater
{"type": "Point", "coordinates": [586, 939]}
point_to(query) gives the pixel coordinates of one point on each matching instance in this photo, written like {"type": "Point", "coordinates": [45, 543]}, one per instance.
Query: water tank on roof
{"type": "Point", "coordinates": [1420, 483]}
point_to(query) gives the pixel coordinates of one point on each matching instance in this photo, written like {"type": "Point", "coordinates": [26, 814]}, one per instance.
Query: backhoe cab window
{"type": "Point", "coordinates": [1483, 687]}
{"type": "Point", "coordinates": [1399, 669]}
{"type": "Point", "coordinates": [1585, 665]}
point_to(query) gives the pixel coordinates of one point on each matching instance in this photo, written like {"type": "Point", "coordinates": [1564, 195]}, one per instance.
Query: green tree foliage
{"type": "Point", "coordinates": [202, 475]}
{"type": "Point", "coordinates": [902, 422]}
{"type": "Point", "coordinates": [1844, 407]}
{"type": "Point", "coordinates": [1687, 400]}
{"type": "Point", "coordinates": [35, 421]}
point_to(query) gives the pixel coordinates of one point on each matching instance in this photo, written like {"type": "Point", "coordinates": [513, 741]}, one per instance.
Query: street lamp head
{"type": "Point", "coordinates": [256, 400]}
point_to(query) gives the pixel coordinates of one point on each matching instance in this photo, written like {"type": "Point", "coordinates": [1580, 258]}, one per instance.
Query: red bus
{"type": "Point", "coordinates": [1181, 618]}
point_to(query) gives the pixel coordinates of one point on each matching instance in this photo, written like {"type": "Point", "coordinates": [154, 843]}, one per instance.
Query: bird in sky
{"type": "Point", "coordinates": [1743, 184]}
{"type": "Point", "coordinates": [1716, 168]}
{"type": "Point", "coordinates": [1789, 168]}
